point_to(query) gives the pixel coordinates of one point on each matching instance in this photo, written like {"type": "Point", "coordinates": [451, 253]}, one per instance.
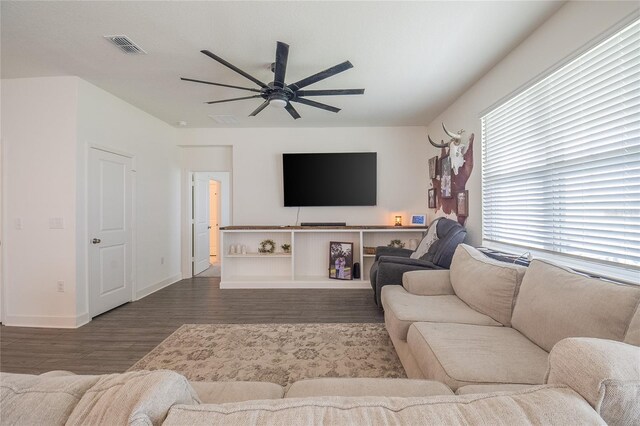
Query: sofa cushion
{"type": "Point", "coordinates": [462, 354]}
{"type": "Point", "coordinates": [430, 282]}
{"type": "Point", "coordinates": [366, 387]}
{"type": "Point", "coordinates": [555, 303]}
{"type": "Point", "coordinates": [222, 392]}
{"type": "Point", "coordinates": [633, 331]}
{"type": "Point", "coordinates": [487, 285]}
{"type": "Point", "coordinates": [401, 309]}
{"type": "Point", "coordinates": [509, 387]}
{"type": "Point", "coordinates": [33, 400]}
{"type": "Point", "coordinates": [539, 405]}
{"type": "Point", "coordinates": [605, 372]}
{"type": "Point", "coordinates": [135, 398]}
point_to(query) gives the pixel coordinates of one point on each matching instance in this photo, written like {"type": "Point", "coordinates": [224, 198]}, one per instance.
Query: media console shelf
{"type": "Point", "coordinates": [307, 266]}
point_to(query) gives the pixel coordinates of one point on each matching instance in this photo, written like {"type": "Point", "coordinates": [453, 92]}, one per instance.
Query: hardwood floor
{"type": "Point", "coordinates": [117, 339]}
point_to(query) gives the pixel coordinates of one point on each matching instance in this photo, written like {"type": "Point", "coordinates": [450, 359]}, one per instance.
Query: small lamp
{"type": "Point", "coordinates": [398, 221]}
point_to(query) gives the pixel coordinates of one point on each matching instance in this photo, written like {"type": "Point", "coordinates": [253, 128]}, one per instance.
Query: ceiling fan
{"type": "Point", "coordinates": [279, 94]}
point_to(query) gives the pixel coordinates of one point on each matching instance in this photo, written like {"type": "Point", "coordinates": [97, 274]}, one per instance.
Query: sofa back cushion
{"type": "Point", "coordinates": [487, 285]}
{"type": "Point", "coordinates": [38, 400]}
{"type": "Point", "coordinates": [537, 405]}
{"type": "Point", "coordinates": [633, 331]}
{"type": "Point", "coordinates": [555, 303]}
{"type": "Point", "coordinates": [134, 398]}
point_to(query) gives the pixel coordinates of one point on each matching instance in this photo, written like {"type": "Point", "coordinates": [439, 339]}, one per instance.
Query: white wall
{"type": "Point", "coordinates": [257, 170]}
{"type": "Point", "coordinates": [107, 121]}
{"type": "Point", "coordinates": [48, 125]}
{"type": "Point", "coordinates": [206, 158]}
{"type": "Point", "coordinates": [571, 28]}
{"type": "Point", "coordinates": [39, 126]}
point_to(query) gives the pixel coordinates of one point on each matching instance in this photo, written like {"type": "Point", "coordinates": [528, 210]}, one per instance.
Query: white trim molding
{"type": "Point", "coordinates": [45, 321]}
{"type": "Point", "coordinates": [144, 292]}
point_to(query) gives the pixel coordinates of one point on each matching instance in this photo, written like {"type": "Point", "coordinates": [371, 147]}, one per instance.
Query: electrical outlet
{"type": "Point", "coordinates": [17, 223]}
{"type": "Point", "coordinates": [61, 286]}
{"type": "Point", "coordinates": [162, 260]}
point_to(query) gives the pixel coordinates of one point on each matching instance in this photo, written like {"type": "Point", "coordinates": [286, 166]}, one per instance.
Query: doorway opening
{"type": "Point", "coordinates": [209, 211]}
{"type": "Point", "coordinates": [214, 224]}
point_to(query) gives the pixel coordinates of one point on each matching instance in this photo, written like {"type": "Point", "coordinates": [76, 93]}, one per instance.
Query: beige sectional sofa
{"type": "Point", "coordinates": [589, 381]}
{"type": "Point", "coordinates": [490, 325]}
{"type": "Point", "coordinates": [537, 345]}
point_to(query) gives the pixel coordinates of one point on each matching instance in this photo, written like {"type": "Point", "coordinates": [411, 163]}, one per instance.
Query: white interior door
{"type": "Point", "coordinates": [201, 226]}
{"type": "Point", "coordinates": [109, 223]}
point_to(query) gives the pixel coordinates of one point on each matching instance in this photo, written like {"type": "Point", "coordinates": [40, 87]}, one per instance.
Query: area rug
{"type": "Point", "coordinates": [278, 353]}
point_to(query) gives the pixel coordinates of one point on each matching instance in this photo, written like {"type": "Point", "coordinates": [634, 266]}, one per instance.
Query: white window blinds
{"type": "Point", "coordinates": [561, 160]}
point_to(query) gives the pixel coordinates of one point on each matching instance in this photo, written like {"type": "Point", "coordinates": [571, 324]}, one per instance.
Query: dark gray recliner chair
{"type": "Point", "coordinates": [391, 263]}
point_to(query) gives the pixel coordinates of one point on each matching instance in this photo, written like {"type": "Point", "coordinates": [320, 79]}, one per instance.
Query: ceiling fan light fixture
{"type": "Point", "coordinates": [278, 103]}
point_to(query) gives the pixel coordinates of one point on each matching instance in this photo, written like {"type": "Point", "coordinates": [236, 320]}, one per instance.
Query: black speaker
{"type": "Point", "coordinates": [356, 271]}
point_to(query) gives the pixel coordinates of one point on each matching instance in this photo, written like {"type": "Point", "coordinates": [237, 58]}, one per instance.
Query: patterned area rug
{"type": "Point", "coordinates": [279, 353]}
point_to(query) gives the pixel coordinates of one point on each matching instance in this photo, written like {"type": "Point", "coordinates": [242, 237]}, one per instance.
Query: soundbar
{"type": "Point", "coordinates": [323, 224]}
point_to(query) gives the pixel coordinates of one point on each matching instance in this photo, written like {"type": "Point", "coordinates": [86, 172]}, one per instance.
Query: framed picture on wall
{"type": "Point", "coordinates": [462, 203]}
{"type": "Point", "coordinates": [340, 260]}
{"type": "Point", "coordinates": [431, 197]}
{"type": "Point", "coordinates": [445, 177]}
{"type": "Point", "coordinates": [433, 167]}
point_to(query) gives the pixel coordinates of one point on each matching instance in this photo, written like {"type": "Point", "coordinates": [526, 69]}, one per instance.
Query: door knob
{"type": "Point", "coordinates": [96, 241]}
{"type": "Point", "coordinates": [208, 227]}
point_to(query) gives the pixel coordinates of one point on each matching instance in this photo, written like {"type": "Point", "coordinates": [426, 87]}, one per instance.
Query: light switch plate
{"type": "Point", "coordinates": [56, 223]}
{"type": "Point", "coordinates": [17, 223]}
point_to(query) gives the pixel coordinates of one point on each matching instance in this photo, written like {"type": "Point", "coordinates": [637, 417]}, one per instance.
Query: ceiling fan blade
{"type": "Point", "coordinates": [315, 104]}
{"type": "Point", "coordinates": [233, 67]}
{"type": "Point", "coordinates": [219, 84]}
{"type": "Point", "coordinates": [291, 110]}
{"type": "Point", "coordinates": [321, 75]}
{"type": "Point", "coordinates": [282, 55]}
{"type": "Point", "coordinates": [260, 108]}
{"type": "Point", "coordinates": [330, 92]}
{"type": "Point", "coordinates": [234, 99]}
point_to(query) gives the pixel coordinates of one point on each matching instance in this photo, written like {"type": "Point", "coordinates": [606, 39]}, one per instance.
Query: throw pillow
{"type": "Point", "coordinates": [428, 240]}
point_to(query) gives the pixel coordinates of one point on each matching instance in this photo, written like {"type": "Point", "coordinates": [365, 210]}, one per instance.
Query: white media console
{"type": "Point", "coordinates": [307, 266]}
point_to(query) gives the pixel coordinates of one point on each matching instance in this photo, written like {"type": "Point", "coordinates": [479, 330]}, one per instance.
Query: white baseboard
{"type": "Point", "coordinates": [158, 286]}
{"type": "Point", "coordinates": [46, 321]}
{"type": "Point", "coordinates": [83, 319]}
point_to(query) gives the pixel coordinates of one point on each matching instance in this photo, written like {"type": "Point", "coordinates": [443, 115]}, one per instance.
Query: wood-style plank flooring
{"type": "Point", "coordinates": [117, 339]}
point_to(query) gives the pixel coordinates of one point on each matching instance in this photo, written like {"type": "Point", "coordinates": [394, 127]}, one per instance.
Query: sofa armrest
{"type": "Point", "coordinates": [428, 283]}
{"type": "Point", "coordinates": [392, 251]}
{"type": "Point", "coordinates": [605, 372]}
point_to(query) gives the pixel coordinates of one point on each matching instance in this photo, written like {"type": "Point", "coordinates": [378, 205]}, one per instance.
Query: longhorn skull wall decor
{"type": "Point", "coordinates": [460, 154]}
{"type": "Point", "coordinates": [457, 148]}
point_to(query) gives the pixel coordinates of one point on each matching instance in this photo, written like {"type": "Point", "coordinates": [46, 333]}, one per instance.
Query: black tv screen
{"type": "Point", "coordinates": [331, 179]}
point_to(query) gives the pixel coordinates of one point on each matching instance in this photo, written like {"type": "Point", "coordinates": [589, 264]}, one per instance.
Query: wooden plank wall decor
{"type": "Point", "coordinates": [458, 182]}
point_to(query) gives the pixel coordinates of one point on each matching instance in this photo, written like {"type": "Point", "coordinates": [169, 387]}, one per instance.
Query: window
{"type": "Point", "coordinates": [561, 160]}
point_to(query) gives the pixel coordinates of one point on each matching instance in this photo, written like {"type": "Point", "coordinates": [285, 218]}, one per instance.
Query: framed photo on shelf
{"type": "Point", "coordinates": [433, 167]}
{"type": "Point", "coordinates": [340, 260]}
{"type": "Point", "coordinates": [431, 198]}
{"type": "Point", "coordinates": [462, 203]}
{"type": "Point", "coordinates": [445, 177]}
{"type": "Point", "coordinates": [418, 220]}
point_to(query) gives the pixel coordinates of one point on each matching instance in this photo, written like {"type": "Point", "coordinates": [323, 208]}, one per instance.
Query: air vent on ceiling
{"type": "Point", "coordinates": [225, 119]}
{"type": "Point", "coordinates": [125, 44]}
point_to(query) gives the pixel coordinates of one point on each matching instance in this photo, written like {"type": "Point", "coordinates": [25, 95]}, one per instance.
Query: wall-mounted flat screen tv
{"type": "Point", "coordinates": [330, 179]}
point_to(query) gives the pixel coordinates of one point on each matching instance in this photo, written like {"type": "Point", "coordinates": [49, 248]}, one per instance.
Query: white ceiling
{"type": "Point", "coordinates": [413, 58]}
